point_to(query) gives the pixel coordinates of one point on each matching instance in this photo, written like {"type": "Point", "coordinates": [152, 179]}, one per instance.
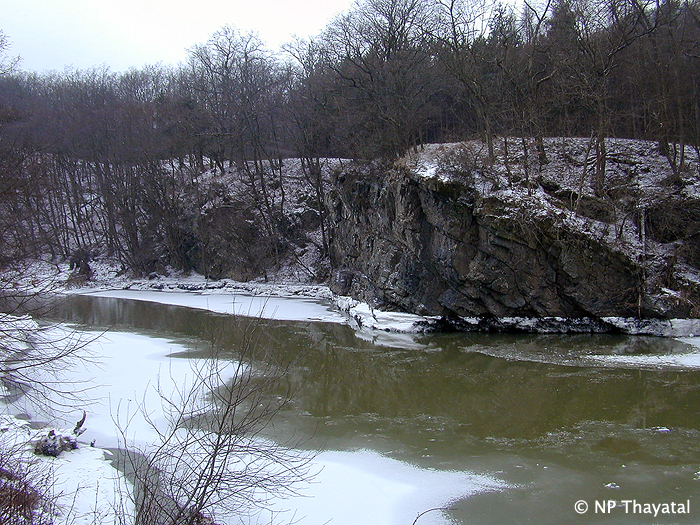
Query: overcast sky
{"type": "Point", "coordinates": [54, 34]}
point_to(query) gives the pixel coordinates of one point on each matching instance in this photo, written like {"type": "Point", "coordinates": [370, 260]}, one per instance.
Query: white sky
{"type": "Point", "coordinates": [54, 34]}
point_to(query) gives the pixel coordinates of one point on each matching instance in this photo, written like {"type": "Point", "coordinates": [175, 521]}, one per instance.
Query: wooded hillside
{"type": "Point", "coordinates": [110, 162]}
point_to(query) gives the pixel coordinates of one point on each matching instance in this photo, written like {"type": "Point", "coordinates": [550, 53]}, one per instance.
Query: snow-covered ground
{"type": "Point", "coordinates": [81, 487]}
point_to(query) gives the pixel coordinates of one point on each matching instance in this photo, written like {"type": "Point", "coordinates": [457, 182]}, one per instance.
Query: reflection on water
{"type": "Point", "coordinates": [534, 409]}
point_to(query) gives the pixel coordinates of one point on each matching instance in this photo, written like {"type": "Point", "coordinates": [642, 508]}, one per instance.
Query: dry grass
{"type": "Point", "coordinates": [20, 502]}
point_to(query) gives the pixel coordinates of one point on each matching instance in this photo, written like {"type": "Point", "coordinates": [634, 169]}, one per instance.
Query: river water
{"type": "Point", "coordinates": [557, 419]}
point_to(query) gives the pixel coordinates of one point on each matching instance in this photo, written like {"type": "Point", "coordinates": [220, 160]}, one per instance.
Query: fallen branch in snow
{"type": "Point", "coordinates": [52, 444]}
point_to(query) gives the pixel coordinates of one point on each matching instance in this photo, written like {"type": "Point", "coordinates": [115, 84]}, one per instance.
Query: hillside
{"type": "Point", "coordinates": [559, 228]}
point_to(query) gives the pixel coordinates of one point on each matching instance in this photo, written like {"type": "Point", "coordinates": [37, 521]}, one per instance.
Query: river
{"type": "Point", "coordinates": [549, 421]}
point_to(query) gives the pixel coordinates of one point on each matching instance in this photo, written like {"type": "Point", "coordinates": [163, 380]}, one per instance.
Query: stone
{"type": "Point", "coordinates": [403, 242]}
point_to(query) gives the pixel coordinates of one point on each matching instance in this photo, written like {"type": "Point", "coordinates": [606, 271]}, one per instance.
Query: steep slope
{"type": "Point", "coordinates": [446, 232]}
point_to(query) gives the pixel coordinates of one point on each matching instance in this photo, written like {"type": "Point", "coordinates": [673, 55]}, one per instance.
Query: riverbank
{"type": "Point", "coordinates": [392, 492]}
{"type": "Point", "coordinates": [266, 299]}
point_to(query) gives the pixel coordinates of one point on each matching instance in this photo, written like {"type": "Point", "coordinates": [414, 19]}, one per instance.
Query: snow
{"type": "Point", "coordinates": [395, 329]}
{"type": "Point", "coordinates": [563, 189]}
{"type": "Point", "coordinates": [15, 330]}
{"type": "Point", "coordinates": [350, 487]}
{"type": "Point", "coordinates": [365, 487]}
{"type": "Point", "coordinates": [426, 162]}
{"type": "Point", "coordinates": [390, 492]}
{"type": "Point", "coordinates": [683, 361]}
{"type": "Point", "coordinates": [367, 319]}
{"type": "Point", "coordinates": [133, 369]}
{"type": "Point", "coordinates": [660, 327]}
{"type": "Point", "coordinates": [84, 488]}
{"type": "Point", "coordinates": [238, 303]}
{"type": "Point", "coordinates": [301, 301]}
{"type": "Point", "coordinates": [689, 360]}
{"type": "Point", "coordinates": [693, 341]}
{"type": "Point", "coordinates": [281, 301]}
{"type": "Point", "coordinates": [89, 487]}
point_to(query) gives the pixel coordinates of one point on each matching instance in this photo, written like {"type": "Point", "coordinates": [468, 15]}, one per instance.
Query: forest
{"type": "Point", "coordinates": [95, 162]}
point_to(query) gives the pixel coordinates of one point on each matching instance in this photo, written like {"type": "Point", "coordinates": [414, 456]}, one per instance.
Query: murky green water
{"type": "Point", "coordinates": [534, 411]}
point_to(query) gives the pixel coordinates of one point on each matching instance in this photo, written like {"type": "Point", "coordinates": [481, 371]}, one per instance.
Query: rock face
{"type": "Point", "coordinates": [463, 247]}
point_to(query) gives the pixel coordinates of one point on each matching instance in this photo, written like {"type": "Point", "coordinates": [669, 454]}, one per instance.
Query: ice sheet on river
{"type": "Point", "coordinates": [393, 329]}
{"type": "Point", "coordinates": [365, 487]}
{"type": "Point", "coordinates": [266, 306]}
{"type": "Point", "coordinates": [351, 487]}
{"type": "Point", "coordinates": [689, 360]}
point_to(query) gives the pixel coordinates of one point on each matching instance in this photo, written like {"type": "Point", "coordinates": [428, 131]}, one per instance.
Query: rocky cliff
{"type": "Point", "coordinates": [448, 232]}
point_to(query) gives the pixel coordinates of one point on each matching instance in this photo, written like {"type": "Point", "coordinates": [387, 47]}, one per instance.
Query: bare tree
{"type": "Point", "coordinates": [7, 64]}
{"type": "Point", "coordinates": [213, 458]}
{"type": "Point", "coordinates": [382, 67]}
{"type": "Point", "coordinates": [21, 500]}
{"type": "Point", "coordinates": [607, 27]}
{"type": "Point", "coordinates": [33, 356]}
{"type": "Point", "coordinates": [670, 60]}
{"type": "Point", "coordinates": [313, 137]}
{"type": "Point", "coordinates": [36, 360]}
{"type": "Point", "coordinates": [460, 35]}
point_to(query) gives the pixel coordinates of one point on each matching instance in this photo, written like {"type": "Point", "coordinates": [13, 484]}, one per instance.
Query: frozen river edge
{"type": "Point", "coordinates": [348, 487]}
{"type": "Point", "coordinates": [365, 470]}
{"type": "Point", "coordinates": [270, 299]}
{"type": "Point", "coordinates": [270, 302]}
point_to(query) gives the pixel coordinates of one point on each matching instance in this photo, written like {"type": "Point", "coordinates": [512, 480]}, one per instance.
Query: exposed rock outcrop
{"type": "Point", "coordinates": [441, 236]}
